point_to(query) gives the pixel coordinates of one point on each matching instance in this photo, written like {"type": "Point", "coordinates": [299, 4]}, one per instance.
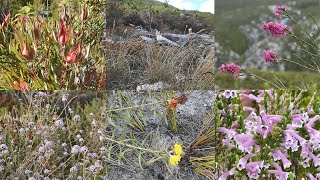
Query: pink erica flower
{"type": "Point", "coordinates": [276, 29]}
{"type": "Point", "coordinates": [311, 177]}
{"type": "Point", "coordinates": [245, 142]}
{"type": "Point", "coordinates": [225, 175]}
{"type": "Point", "coordinates": [243, 161]}
{"type": "Point", "coordinates": [229, 132]}
{"type": "Point", "coordinates": [231, 69]}
{"type": "Point", "coordinates": [286, 163]}
{"type": "Point", "coordinates": [279, 11]}
{"type": "Point", "coordinates": [270, 56]}
{"type": "Point", "coordinates": [254, 169]}
{"type": "Point", "coordinates": [281, 175]}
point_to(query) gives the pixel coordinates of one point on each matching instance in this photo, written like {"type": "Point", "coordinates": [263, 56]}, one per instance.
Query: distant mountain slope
{"type": "Point", "coordinates": [240, 38]}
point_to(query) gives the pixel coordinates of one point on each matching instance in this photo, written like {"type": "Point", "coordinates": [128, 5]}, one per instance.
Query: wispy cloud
{"type": "Point", "coordinates": [201, 5]}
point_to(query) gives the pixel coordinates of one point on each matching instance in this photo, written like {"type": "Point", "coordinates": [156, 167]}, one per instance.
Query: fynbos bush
{"type": "Point", "coordinates": [49, 52]}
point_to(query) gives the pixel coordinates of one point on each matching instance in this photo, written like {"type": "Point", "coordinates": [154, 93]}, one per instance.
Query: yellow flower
{"type": "Point", "coordinates": [174, 160]}
{"type": "Point", "coordinates": [177, 148]}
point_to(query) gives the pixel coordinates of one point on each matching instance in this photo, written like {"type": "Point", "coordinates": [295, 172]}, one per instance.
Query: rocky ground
{"type": "Point", "coordinates": [190, 118]}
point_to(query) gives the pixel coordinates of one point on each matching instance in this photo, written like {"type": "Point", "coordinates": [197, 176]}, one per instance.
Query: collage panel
{"type": "Point", "coordinates": [267, 134]}
{"type": "Point", "coordinates": [52, 45]}
{"type": "Point", "coordinates": [267, 44]}
{"type": "Point", "coordinates": [71, 135]}
{"type": "Point", "coordinates": [162, 135]}
{"type": "Point", "coordinates": [160, 45]}
{"type": "Point", "coordinates": [52, 134]}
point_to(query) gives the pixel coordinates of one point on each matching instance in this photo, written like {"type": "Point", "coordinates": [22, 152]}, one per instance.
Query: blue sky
{"type": "Point", "coordinates": [201, 5]}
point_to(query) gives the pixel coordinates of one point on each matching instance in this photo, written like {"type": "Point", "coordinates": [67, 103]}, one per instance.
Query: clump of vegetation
{"type": "Point", "coordinates": [53, 135]}
{"type": "Point", "coordinates": [132, 61]}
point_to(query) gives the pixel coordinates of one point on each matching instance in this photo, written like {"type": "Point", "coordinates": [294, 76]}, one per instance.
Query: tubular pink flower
{"type": "Point", "coordinates": [227, 94]}
{"type": "Point", "coordinates": [231, 69]}
{"type": "Point", "coordinates": [290, 142]}
{"type": "Point", "coordinates": [282, 175]}
{"type": "Point", "coordinates": [254, 166]}
{"type": "Point", "coordinates": [234, 93]}
{"type": "Point", "coordinates": [225, 175]}
{"type": "Point", "coordinates": [245, 141]}
{"type": "Point", "coordinates": [316, 160]}
{"type": "Point", "coordinates": [229, 132]}
{"type": "Point", "coordinates": [248, 109]}
{"type": "Point", "coordinates": [275, 119]}
{"type": "Point", "coordinates": [296, 136]}
{"type": "Point", "coordinates": [313, 120]}
{"type": "Point", "coordinates": [270, 56]}
{"type": "Point", "coordinates": [279, 11]}
{"type": "Point", "coordinates": [255, 98]}
{"type": "Point", "coordinates": [252, 115]}
{"type": "Point", "coordinates": [243, 161]}
{"type": "Point", "coordinates": [305, 163]}
{"type": "Point", "coordinates": [235, 124]}
{"type": "Point", "coordinates": [312, 132]}
{"type": "Point", "coordinates": [276, 29]}
{"type": "Point", "coordinates": [269, 92]}
{"type": "Point", "coordinates": [304, 150]}
{"type": "Point", "coordinates": [286, 163]}
{"type": "Point", "coordinates": [311, 177]}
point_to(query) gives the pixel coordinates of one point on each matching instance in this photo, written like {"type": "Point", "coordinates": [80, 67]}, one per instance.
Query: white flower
{"type": "Point", "coordinates": [70, 110]}
{"type": "Point", "coordinates": [77, 118]}
{"type": "Point", "coordinates": [73, 169]}
{"type": "Point", "coordinates": [103, 149]}
{"type": "Point", "coordinates": [27, 171]}
{"type": "Point", "coordinates": [42, 94]}
{"type": "Point", "coordinates": [94, 123]}
{"type": "Point", "coordinates": [46, 171]}
{"type": "Point", "coordinates": [41, 149]}
{"type": "Point", "coordinates": [3, 146]}
{"type": "Point", "coordinates": [98, 165]}
{"type": "Point", "coordinates": [64, 144]}
{"type": "Point", "coordinates": [48, 106]}
{"type": "Point", "coordinates": [30, 124]}
{"type": "Point", "coordinates": [102, 138]}
{"type": "Point", "coordinates": [65, 97]}
{"type": "Point", "coordinates": [92, 168]}
{"type": "Point", "coordinates": [47, 144]}
{"type": "Point", "coordinates": [81, 140]}
{"type": "Point", "coordinates": [84, 149]}
{"type": "Point", "coordinates": [59, 123]}
{"type": "Point", "coordinates": [100, 131]}
{"type": "Point", "coordinates": [75, 149]}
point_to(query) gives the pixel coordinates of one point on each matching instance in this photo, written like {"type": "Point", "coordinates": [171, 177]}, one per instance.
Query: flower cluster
{"type": "Point", "coordinates": [276, 29]}
{"type": "Point", "coordinates": [270, 56]}
{"type": "Point", "coordinates": [273, 142]}
{"type": "Point", "coordinates": [175, 159]}
{"type": "Point", "coordinates": [279, 11]}
{"type": "Point", "coordinates": [231, 69]}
